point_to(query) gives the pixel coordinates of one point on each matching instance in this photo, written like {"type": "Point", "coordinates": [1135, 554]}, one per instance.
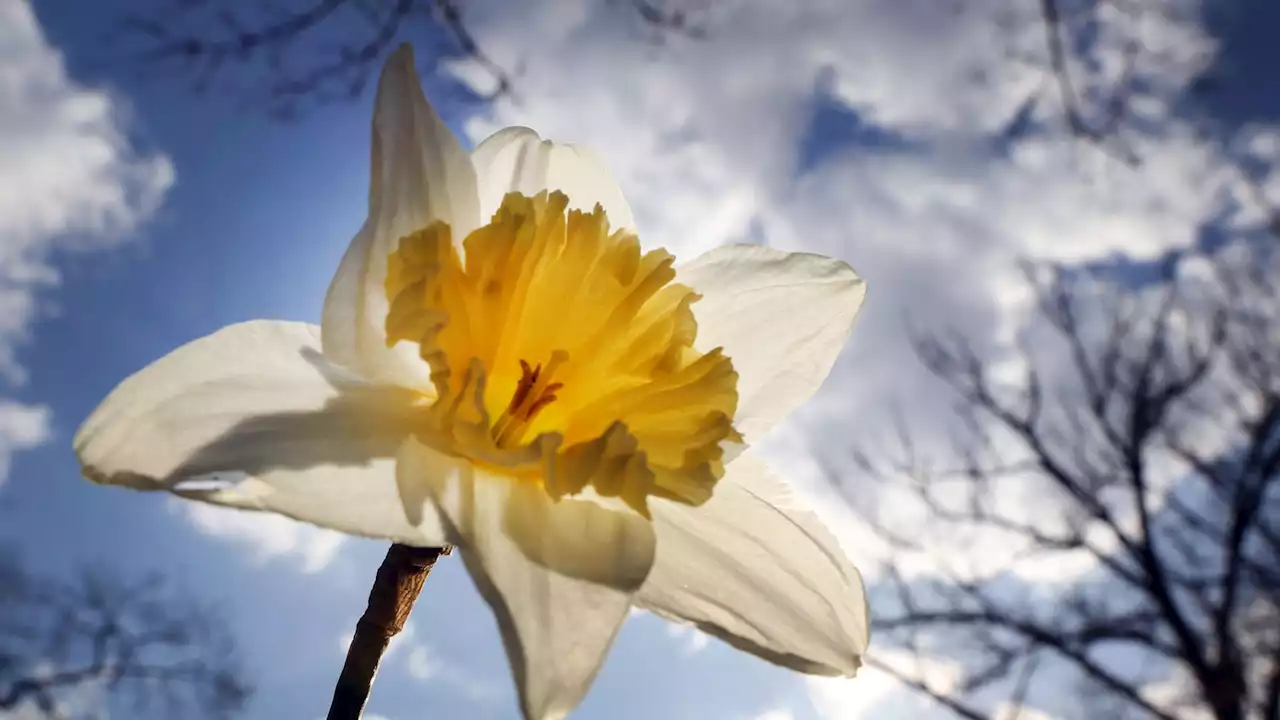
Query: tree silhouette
{"type": "Point", "coordinates": [71, 650]}
{"type": "Point", "coordinates": [1102, 73]}
{"type": "Point", "coordinates": [302, 53]}
{"type": "Point", "coordinates": [1142, 434]}
{"type": "Point", "coordinates": [1131, 447]}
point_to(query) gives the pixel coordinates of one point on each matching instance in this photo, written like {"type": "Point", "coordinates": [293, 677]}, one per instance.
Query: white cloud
{"type": "Point", "coordinates": [269, 536]}
{"type": "Point", "coordinates": [424, 664]}
{"type": "Point", "coordinates": [70, 182]}
{"type": "Point", "coordinates": [21, 427]}
{"type": "Point", "coordinates": [876, 694]}
{"type": "Point", "coordinates": [1177, 696]}
{"type": "Point", "coordinates": [1009, 711]}
{"type": "Point", "coordinates": [704, 137]}
{"type": "Point", "coordinates": [691, 640]}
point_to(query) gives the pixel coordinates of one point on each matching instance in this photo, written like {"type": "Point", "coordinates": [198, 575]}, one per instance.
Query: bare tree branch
{"type": "Point", "coordinates": [1150, 419]}
{"type": "Point", "coordinates": [942, 698]}
{"type": "Point", "coordinates": [302, 53]}
{"type": "Point", "coordinates": [1102, 134]}
{"type": "Point", "coordinates": [64, 645]}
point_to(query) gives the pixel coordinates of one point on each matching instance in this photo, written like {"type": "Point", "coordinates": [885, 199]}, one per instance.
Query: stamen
{"type": "Point", "coordinates": [644, 413]}
{"type": "Point", "coordinates": [533, 393]}
{"type": "Point", "coordinates": [548, 396]}
{"type": "Point", "coordinates": [528, 378]}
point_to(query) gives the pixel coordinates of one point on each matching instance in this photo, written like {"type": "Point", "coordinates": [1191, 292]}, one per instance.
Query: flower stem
{"type": "Point", "coordinates": [395, 589]}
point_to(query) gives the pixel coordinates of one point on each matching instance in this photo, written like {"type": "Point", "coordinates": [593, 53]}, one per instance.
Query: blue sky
{"type": "Point", "coordinates": [256, 221]}
{"type": "Point", "coordinates": [809, 129]}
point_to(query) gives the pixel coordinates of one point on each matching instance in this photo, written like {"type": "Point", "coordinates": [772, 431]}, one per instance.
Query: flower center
{"type": "Point", "coordinates": [534, 392]}
{"type": "Point", "coordinates": [562, 354]}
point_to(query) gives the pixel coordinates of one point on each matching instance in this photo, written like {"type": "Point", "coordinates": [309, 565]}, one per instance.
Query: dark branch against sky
{"type": "Point", "coordinates": [290, 55]}
{"type": "Point", "coordinates": [72, 649]}
{"type": "Point", "coordinates": [1184, 576]}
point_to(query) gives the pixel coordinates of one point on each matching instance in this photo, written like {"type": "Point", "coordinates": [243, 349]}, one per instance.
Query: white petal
{"type": "Point", "coordinates": [782, 319]}
{"type": "Point", "coordinates": [559, 576]}
{"type": "Point", "coordinates": [420, 174]}
{"type": "Point", "coordinates": [755, 570]}
{"type": "Point", "coordinates": [254, 416]}
{"type": "Point", "coordinates": [516, 159]}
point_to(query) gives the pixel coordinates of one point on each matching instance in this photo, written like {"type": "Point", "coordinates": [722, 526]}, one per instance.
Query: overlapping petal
{"type": "Point", "coordinates": [755, 569]}
{"type": "Point", "coordinates": [559, 576]}
{"type": "Point", "coordinates": [255, 417]}
{"type": "Point", "coordinates": [517, 159]}
{"type": "Point", "coordinates": [267, 416]}
{"type": "Point", "coordinates": [782, 317]}
{"type": "Point", "coordinates": [419, 174]}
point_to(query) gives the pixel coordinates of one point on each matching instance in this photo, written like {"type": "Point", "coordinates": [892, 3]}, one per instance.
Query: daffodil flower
{"type": "Point", "coordinates": [501, 366]}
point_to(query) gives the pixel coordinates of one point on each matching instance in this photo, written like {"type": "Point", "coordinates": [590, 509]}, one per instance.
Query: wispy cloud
{"type": "Point", "coordinates": [706, 138]}
{"type": "Point", "coordinates": [425, 664]}
{"type": "Point", "coordinates": [21, 427]}
{"type": "Point", "coordinates": [691, 640]}
{"type": "Point", "coordinates": [266, 536]}
{"type": "Point", "coordinates": [876, 694]}
{"type": "Point", "coordinates": [70, 182]}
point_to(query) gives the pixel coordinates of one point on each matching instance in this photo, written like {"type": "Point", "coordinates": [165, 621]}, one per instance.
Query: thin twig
{"type": "Point", "coordinates": [395, 590]}
{"type": "Point", "coordinates": [918, 684]}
